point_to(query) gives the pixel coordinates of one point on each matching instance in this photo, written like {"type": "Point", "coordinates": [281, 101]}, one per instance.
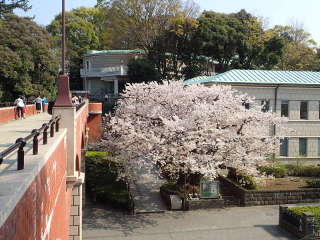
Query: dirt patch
{"type": "Point", "coordinates": [286, 183]}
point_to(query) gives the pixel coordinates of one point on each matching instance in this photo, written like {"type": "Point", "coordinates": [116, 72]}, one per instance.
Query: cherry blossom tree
{"type": "Point", "coordinates": [190, 129]}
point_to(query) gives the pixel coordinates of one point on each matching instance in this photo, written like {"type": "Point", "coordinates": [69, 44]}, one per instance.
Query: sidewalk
{"type": "Point", "coordinates": [146, 192]}
{"type": "Point", "coordinates": [10, 132]}
{"type": "Point", "coordinates": [237, 223]}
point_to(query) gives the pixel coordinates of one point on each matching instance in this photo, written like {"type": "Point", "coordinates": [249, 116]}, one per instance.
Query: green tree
{"type": "Point", "coordinates": [138, 23]}
{"type": "Point", "coordinates": [84, 32]}
{"type": "Point", "coordinates": [300, 50]}
{"type": "Point", "coordinates": [7, 6]}
{"type": "Point", "coordinates": [238, 40]}
{"type": "Point", "coordinates": [27, 64]}
{"type": "Point", "coordinates": [142, 70]}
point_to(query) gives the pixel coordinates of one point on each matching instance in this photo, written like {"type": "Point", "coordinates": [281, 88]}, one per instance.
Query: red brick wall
{"type": "Point", "coordinates": [95, 127]}
{"type": "Point", "coordinates": [81, 123]}
{"type": "Point", "coordinates": [9, 113]}
{"type": "Point", "coordinates": [95, 122]}
{"type": "Point", "coordinates": [43, 211]}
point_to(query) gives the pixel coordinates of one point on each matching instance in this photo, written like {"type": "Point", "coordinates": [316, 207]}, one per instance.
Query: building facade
{"type": "Point", "coordinates": [104, 72]}
{"type": "Point", "coordinates": [292, 94]}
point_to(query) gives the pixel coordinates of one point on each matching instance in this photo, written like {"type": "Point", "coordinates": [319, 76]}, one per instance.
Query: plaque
{"type": "Point", "coordinates": [209, 189]}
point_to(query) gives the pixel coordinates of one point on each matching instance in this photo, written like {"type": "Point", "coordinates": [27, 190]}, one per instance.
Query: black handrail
{"type": "Point", "coordinates": [53, 124]}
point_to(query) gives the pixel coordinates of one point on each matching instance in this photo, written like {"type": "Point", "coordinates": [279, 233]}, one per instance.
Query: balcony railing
{"type": "Point", "coordinates": [53, 125]}
{"type": "Point", "coordinates": [104, 72]}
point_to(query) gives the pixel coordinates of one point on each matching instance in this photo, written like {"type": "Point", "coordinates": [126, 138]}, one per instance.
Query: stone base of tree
{"type": "Point", "coordinates": [256, 197]}
{"type": "Point", "coordinates": [201, 203]}
{"type": "Point", "coordinates": [302, 228]}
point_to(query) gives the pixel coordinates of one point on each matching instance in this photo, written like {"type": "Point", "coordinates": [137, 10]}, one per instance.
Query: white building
{"type": "Point", "coordinates": [293, 94]}
{"type": "Point", "coordinates": [104, 72]}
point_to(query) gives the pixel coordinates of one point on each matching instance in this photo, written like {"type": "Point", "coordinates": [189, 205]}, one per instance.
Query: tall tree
{"type": "Point", "coordinates": [84, 32]}
{"type": "Point", "coordinates": [7, 6]}
{"type": "Point", "coordinates": [27, 64]}
{"type": "Point", "coordinates": [300, 50]}
{"type": "Point", "coordinates": [189, 129]}
{"type": "Point", "coordinates": [238, 41]}
{"type": "Point", "coordinates": [139, 22]}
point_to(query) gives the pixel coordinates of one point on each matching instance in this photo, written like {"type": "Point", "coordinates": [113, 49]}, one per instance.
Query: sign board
{"type": "Point", "coordinates": [209, 189]}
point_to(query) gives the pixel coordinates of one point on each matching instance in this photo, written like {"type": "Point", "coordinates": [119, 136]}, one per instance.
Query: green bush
{"type": "Point", "coordinates": [303, 171]}
{"type": "Point", "coordinates": [297, 212]}
{"type": "Point", "coordinates": [314, 182]}
{"type": "Point", "coordinates": [277, 172]}
{"type": "Point", "coordinates": [247, 182]}
{"type": "Point", "coordinates": [102, 180]}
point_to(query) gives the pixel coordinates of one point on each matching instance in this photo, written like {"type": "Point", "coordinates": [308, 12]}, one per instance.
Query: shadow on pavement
{"type": "Point", "coordinates": [276, 231]}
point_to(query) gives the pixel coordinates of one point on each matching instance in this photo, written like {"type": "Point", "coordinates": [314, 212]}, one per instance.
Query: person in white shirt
{"type": "Point", "coordinates": [20, 107]}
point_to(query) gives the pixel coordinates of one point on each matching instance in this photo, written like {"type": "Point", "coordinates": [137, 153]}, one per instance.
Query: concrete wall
{"type": "Point", "coordinates": [309, 128]}
{"type": "Point", "coordinates": [35, 202]}
{"type": "Point", "coordinates": [9, 113]}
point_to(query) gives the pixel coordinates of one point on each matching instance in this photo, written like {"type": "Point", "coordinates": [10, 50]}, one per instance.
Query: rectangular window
{"type": "Point", "coordinates": [303, 110]}
{"type": "Point", "coordinates": [318, 146]}
{"type": "Point", "coordinates": [319, 110]}
{"type": "Point", "coordinates": [265, 105]}
{"type": "Point", "coordinates": [302, 147]}
{"type": "Point", "coordinates": [284, 147]}
{"type": "Point", "coordinates": [87, 65]}
{"type": "Point", "coordinates": [284, 108]}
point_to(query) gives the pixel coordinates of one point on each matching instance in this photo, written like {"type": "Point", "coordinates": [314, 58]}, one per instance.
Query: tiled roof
{"type": "Point", "coordinates": [260, 77]}
{"type": "Point", "coordinates": [95, 52]}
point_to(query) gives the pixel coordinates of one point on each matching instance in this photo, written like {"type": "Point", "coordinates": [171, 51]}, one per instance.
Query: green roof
{"type": "Point", "coordinates": [265, 77]}
{"type": "Point", "coordinates": [113, 51]}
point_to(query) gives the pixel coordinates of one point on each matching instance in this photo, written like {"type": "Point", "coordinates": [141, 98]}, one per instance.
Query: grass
{"type": "Point", "coordinates": [102, 181]}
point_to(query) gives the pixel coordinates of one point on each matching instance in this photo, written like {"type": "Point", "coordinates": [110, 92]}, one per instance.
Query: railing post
{"type": "Point", "coordinates": [22, 142]}
{"type": "Point", "coordinates": [57, 125]}
{"type": "Point", "coordinates": [52, 129]}
{"type": "Point", "coordinates": [45, 133]}
{"type": "Point", "coordinates": [35, 141]}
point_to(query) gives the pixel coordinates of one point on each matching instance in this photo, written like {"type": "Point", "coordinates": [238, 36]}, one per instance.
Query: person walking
{"type": "Point", "coordinates": [44, 101]}
{"type": "Point", "coordinates": [20, 107]}
{"type": "Point", "coordinates": [38, 102]}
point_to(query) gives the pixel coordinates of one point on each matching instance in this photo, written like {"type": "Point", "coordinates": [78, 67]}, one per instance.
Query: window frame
{"type": "Point", "coordinates": [304, 115]}
{"type": "Point", "coordinates": [284, 102]}
{"type": "Point", "coordinates": [306, 147]}
{"type": "Point", "coordinates": [286, 141]}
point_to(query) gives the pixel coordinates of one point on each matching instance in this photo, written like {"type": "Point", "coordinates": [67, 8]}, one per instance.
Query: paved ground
{"type": "Point", "coordinates": [146, 191]}
{"type": "Point", "coordinates": [251, 223]}
{"type": "Point", "coordinates": [9, 132]}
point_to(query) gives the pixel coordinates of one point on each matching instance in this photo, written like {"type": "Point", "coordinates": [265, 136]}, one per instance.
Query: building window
{"type": "Point", "coordinates": [284, 108]}
{"type": "Point", "coordinates": [87, 65]}
{"type": "Point", "coordinates": [303, 110]}
{"type": "Point", "coordinates": [318, 146]}
{"type": "Point", "coordinates": [302, 147]}
{"type": "Point", "coordinates": [265, 105]}
{"type": "Point", "coordinates": [319, 110]}
{"type": "Point", "coordinates": [284, 147]}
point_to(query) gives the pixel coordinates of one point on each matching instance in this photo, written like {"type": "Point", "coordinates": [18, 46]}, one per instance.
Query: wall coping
{"type": "Point", "coordinates": [14, 184]}
{"type": "Point", "coordinates": [86, 105]}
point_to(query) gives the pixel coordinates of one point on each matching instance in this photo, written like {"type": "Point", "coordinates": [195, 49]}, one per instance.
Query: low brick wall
{"type": "Point", "coordinates": [256, 197]}
{"type": "Point", "coordinates": [9, 113]}
{"type": "Point", "coordinates": [304, 226]}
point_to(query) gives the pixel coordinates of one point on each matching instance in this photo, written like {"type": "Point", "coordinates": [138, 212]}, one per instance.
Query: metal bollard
{"type": "Point", "coordinates": [45, 133]}
{"type": "Point", "coordinates": [35, 141]}
{"type": "Point", "coordinates": [22, 142]}
{"type": "Point", "coordinates": [52, 129]}
{"type": "Point", "coordinates": [57, 125]}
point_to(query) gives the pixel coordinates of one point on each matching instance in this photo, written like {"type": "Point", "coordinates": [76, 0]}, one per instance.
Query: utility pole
{"type": "Point", "coordinates": [63, 40]}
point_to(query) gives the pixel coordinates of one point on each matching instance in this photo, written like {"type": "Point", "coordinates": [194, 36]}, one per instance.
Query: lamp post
{"type": "Point", "coordinates": [64, 96]}
{"type": "Point", "coordinates": [63, 40]}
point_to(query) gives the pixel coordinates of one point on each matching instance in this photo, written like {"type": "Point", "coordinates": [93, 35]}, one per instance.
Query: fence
{"type": "Point", "coordinates": [20, 143]}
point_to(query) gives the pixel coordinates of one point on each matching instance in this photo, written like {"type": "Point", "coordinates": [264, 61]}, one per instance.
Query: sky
{"type": "Point", "coordinates": [281, 12]}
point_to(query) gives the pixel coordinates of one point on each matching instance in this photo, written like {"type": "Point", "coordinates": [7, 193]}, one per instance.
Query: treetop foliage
{"type": "Point", "coordinates": [7, 6]}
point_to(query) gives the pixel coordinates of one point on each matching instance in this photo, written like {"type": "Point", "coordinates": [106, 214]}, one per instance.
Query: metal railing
{"type": "Point", "coordinates": [52, 126]}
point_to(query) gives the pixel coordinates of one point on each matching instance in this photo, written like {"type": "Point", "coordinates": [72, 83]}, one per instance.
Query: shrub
{"type": "Point", "coordinates": [247, 182]}
{"type": "Point", "coordinates": [102, 180]}
{"type": "Point", "coordinates": [297, 212]}
{"type": "Point", "coordinates": [313, 182]}
{"type": "Point", "coordinates": [303, 171]}
{"type": "Point", "coordinates": [277, 172]}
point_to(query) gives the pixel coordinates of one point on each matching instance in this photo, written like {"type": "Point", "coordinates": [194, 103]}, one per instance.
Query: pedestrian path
{"type": "Point", "coordinates": [11, 131]}
{"type": "Point", "coordinates": [146, 192]}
